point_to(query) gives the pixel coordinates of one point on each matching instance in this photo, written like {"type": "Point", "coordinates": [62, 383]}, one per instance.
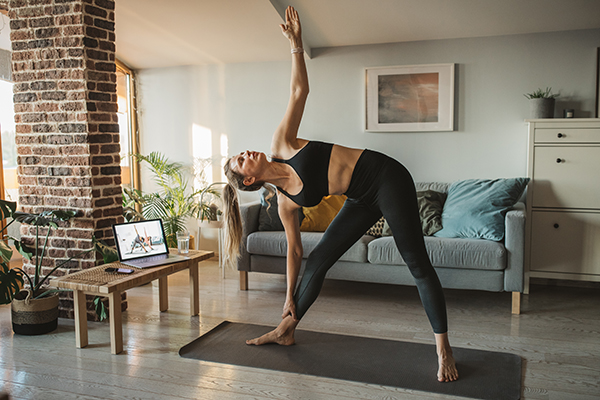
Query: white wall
{"type": "Point", "coordinates": [493, 73]}
{"type": "Point", "coordinates": [247, 101]}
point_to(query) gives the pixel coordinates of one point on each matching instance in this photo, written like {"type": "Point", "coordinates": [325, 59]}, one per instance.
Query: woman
{"type": "Point", "coordinates": [306, 171]}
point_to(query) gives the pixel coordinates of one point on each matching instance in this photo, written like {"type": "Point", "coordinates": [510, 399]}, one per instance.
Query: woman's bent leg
{"type": "Point", "coordinates": [351, 223]}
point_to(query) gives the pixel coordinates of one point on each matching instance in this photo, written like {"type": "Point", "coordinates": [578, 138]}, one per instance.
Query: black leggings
{"type": "Point", "coordinates": [379, 186]}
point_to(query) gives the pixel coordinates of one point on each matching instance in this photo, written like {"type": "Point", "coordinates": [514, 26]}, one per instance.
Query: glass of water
{"type": "Point", "coordinates": [183, 242]}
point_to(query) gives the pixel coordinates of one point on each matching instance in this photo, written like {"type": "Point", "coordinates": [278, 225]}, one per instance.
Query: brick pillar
{"type": "Point", "coordinates": [65, 101]}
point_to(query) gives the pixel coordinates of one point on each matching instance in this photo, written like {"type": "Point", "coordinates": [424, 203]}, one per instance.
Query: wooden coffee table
{"type": "Point", "coordinates": [95, 281]}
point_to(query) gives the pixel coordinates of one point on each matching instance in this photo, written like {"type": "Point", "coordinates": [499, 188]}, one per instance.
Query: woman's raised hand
{"type": "Point", "coordinates": [292, 29]}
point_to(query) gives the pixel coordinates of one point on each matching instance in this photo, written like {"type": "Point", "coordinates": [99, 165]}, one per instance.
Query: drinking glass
{"type": "Point", "coordinates": [183, 242]}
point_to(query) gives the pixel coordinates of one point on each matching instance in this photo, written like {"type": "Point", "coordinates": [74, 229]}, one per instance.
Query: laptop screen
{"type": "Point", "coordinates": [140, 239]}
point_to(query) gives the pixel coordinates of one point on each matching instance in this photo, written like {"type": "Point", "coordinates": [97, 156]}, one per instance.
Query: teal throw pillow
{"type": "Point", "coordinates": [476, 208]}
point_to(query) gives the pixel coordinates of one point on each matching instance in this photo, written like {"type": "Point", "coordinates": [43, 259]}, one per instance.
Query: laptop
{"type": "Point", "coordinates": [142, 244]}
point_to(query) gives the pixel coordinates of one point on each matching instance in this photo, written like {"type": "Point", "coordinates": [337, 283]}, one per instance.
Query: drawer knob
{"type": "Point", "coordinates": [560, 135]}
{"type": "Point", "coordinates": [560, 160]}
{"type": "Point", "coordinates": [556, 226]}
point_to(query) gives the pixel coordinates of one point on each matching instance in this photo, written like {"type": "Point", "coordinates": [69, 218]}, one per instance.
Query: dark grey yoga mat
{"type": "Point", "coordinates": [483, 374]}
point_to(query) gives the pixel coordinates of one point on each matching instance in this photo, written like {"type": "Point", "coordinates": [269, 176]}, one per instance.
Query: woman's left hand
{"type": "Point", "coordinates": [292, 29]}
{"type": "Point", "coordinates": [289, 308]}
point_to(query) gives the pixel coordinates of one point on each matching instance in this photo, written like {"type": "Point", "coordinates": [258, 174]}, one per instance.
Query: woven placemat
{"type": "Point", "coordinates": [99, 276]}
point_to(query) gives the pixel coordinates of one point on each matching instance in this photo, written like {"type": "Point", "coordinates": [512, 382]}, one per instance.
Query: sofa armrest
{"type": "Point", "coordinates": [250, 213]}
{"type": "Point", "coordinates": [514, 241]}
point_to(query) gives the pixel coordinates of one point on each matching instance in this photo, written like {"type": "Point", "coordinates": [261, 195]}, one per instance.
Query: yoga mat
{"type": "Point", "coordinates": [482, 374]}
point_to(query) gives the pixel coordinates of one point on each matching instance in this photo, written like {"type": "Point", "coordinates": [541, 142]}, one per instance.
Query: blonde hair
{"type": "Point", "coordinates": [232, 216]}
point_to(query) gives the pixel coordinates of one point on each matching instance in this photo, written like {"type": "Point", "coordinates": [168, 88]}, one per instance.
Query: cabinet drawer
{"type": "Point", "coordinates": [567, 135]}
{"type": "Point", "coordinates": [566, 176]}
{"type": "Point", "coordinates": [565, 242]}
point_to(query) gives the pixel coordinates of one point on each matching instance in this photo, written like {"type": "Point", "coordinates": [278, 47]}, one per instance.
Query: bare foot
{"type": "Point", "coordinates": [273, 337]}
{"type": "Point", "coordinates": [283, 334]}
{"type": "Point", "coordinates": [447, 371]}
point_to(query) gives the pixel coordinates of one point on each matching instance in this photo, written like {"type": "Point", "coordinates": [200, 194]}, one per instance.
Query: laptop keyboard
{"type": "Point", "coordinates": [148, 260]}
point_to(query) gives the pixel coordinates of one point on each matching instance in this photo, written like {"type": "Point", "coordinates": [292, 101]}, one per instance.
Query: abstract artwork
{"type": "Point", "coordinates": [410, 98]}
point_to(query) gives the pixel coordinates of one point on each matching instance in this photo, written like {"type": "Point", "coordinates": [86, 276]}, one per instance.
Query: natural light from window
{"type": "Point", "coordinates": [123, 93]}
{"type": "Point", "coordinates": [202, 153]}
{"type": "Point", "coordinates": [9, 146]}
{"type": "Point", "coordinates": [224, 152]}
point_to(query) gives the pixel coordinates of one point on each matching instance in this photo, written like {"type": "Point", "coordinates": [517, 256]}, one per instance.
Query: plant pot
{"type": "Point", "coordinates": [541, 108]}
{"type": "Point", "coordinates": [34, 316]}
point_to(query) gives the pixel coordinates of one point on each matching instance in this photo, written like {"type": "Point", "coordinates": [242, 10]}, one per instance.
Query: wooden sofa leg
{"type": "Point", "coordinates": [243, 280]}
{"type": "Point", "coordinates": [516, 302]}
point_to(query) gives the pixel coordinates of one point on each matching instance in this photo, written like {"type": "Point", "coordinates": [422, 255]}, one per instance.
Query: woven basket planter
{"type": "Point", "coordinates": [34, 316]}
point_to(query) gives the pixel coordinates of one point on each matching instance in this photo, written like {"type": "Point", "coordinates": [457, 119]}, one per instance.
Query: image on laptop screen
{"type": "Point", "coordinates": [140, 239]}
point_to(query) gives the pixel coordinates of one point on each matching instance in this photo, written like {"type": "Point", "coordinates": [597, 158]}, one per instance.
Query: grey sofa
{"type": "Point", "coordinates": [460, 263]}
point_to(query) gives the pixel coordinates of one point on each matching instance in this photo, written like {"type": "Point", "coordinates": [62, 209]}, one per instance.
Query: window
{"type": "Point", "coordinates": [10, 187]}
{"type": "Point", "coordinates": [126, 113]}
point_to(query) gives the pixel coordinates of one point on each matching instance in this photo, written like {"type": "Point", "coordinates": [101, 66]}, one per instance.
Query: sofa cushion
{"type": "Point", "coordinates": [445, 252]}
{"type": "Point", "coordinates": [476, 208]}
{"type": "Point", "coordinates": [275, 244]}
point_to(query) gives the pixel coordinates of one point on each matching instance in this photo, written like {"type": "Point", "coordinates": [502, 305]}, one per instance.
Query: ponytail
{"type": "Point", "coordinates": [233, 218]}
{"type": "Point", "coordinates": [233, 224]}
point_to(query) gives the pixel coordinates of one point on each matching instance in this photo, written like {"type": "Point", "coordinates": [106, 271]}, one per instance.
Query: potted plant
{"type": "Point", "coordinates": [175, 201]}
{"type": "Point", "coordinates": [541, 103]}
{"type": "Point", "coordinates": [209, 209]}
{"type": "Point", "coordinates": [34, 307]}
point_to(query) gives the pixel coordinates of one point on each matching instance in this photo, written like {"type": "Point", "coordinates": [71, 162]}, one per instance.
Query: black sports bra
{"type": "Point", "coordinates": [311, 164]}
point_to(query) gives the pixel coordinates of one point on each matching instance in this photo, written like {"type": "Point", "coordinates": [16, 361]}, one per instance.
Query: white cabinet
{"type": "Point", "coordinates": [563, 199]}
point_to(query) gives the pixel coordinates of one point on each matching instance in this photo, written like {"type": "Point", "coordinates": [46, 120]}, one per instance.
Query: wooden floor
{"type": "Point", "coordinates": [558, 337]}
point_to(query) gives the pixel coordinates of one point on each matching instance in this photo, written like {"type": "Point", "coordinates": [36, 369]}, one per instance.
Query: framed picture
{"type": "Point", "coordinates": [410, 98]}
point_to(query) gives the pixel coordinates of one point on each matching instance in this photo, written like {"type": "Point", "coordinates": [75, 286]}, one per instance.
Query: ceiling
{"type": "Point", "coordinates": [158, 33]}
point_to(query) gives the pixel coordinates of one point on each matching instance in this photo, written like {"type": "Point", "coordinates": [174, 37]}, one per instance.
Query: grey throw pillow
{"type": "Point", "coordinates": [431, 205]}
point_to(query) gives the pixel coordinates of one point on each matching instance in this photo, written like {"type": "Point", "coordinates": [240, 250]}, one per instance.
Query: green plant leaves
{"type": "Point", "coordinates": [7, 208]}
{"type": "Point", "coordinates": [541, 94]}
{"type": "Point", "coordinates": [100, 308]}
{"type": "Point", "coordinates": [45, 218]}
{"type": "Point", "coordinates": [108, 253]}
{"type": "Point", "coordinates": [5, 251]}
{"type": "Point", "coordinates": [10, 283]}
{"type": "Point", "coordinates": [22, 248]}
{"type": "Point", "coordinates": [174, 202]}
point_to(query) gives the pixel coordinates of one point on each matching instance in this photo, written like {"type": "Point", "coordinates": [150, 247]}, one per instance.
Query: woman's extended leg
{"type": "Point", "coordinates": [398, 202]}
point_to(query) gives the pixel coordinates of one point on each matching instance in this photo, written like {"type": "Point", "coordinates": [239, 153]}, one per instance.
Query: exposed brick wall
{"type": "Point", "coordinates": [65, 101]}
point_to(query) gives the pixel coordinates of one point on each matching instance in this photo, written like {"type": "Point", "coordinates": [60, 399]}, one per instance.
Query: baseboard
{"type": "Point", "coordinates": [564, 282]}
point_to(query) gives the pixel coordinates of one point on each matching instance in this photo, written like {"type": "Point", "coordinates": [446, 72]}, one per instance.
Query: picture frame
{"type": "Point", "coordinates": [410, 98]}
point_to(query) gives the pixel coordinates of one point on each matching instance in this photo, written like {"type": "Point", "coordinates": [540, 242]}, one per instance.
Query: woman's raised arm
{"type": "Point", "coordinates": [286, 133]}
